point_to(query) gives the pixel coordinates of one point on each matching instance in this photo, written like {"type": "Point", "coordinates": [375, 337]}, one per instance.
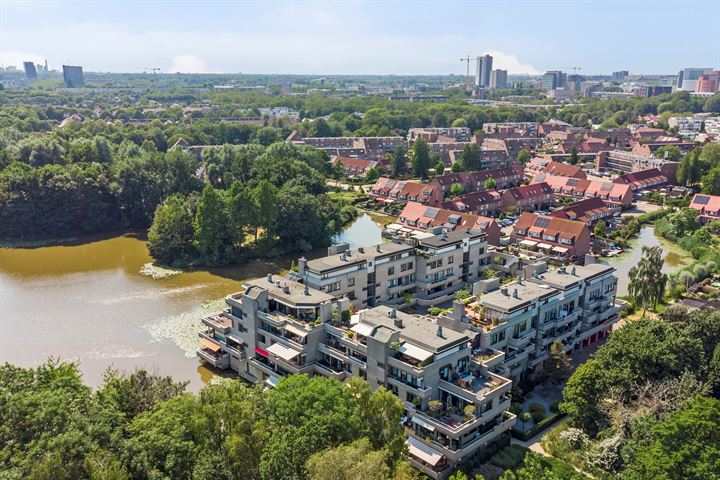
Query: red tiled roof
{"type": "Point", "coordinates": [530, 191]}
{"type": "Point", "coordinates": [566, 228]}
{"type": "Point", "coordinates": [584, 210]}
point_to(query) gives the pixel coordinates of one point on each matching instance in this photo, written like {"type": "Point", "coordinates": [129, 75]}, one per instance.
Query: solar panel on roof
{"type": "Point", "coordinates": [431, 212]}
{"type": "Point", "coordinates": [572, 182]}
{"type": "Point", "coordinates": [542, 222]}
{"type": "Point", "coordinates": [702, 199]}
{"type": "Point", "coordinates": [606, 187]}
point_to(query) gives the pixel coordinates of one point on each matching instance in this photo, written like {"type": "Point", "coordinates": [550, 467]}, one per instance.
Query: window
{"type": "Point", "coordinates": [451, 260]}
{"type": "Point", "coordinates": [391, 271]}
{"type": "Point", "coordinates": [351, 282]}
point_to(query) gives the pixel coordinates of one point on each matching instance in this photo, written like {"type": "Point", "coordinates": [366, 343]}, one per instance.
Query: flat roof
{"type": "Point", "coordinates": [352, 257]}
{"type": "Point", "coordinates": [296, 292]}
{"type": "Point", "coordinates": [419, 331]}
{"type": "Point", "coordinates": [450, 238]}
{"type": "Point", "coordinates": [564, 280]}
{"type": "Point", "coordinates": [526, 293]}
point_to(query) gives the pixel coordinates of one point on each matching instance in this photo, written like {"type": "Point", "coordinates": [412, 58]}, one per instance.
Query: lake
{"type": "Point", "coordinates": [88, 302]}
{"type": "Point", "coordinates": [628, 259]}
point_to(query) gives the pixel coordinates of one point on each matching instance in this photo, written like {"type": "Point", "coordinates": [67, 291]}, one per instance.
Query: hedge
{"type": "Point", "coordinates": [539, 427]}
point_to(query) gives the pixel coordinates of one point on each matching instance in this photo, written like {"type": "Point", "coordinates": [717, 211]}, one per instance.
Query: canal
{"type": "Point", "coordinates": [623, 263]}
{"type": "Point", "coordinates": [88, 302]}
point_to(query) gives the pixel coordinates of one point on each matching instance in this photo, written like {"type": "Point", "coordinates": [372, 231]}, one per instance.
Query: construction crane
{"type": "Point", "coordinates": [575, 70]}
{"type": "Point", "coordinates": [467, 75]}
{"type": "Point", "coordinates": [154, 70]}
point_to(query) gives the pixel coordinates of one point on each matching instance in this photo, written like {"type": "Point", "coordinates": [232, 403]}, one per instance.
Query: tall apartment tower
{"type": "Point", "coordinates": [482, 71]}
{"type": "Point", "coordinates": [30, 70]}
{"type": "Point", "coordinates": [498, 79]}
{"type": "Point", "coordinates": [73, 76]}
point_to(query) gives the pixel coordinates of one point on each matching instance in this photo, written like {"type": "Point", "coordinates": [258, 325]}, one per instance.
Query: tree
{"type": "Point", "coordinates": [683, 222]}
{"type": "Point", "coordinates": [371, 175]}
{"type": "Point", "coordinates": [573, 156]}
{"type": "Point", "coordinates": [582, 395]}
{"type": "Point", "coordinates": [647, 282]}
{"type": "Point", "coordinates": [399, 161]}
{"type": "Point", "coordinates": [600, 230]}
{"type": "Point", "coordinates": [456, 189]}
{"type": "Point", "coordinates": [471, 157]}
{"type": "Point", "coordinates": [439, 120]}
{"type": "Point", "coordinates": [420, 157]}
{"type": "Point", "coordinates": [439, 167]}
{"type": "Point", "coordinates": [265, 201]}
{"type": "Point", "coordinates": [489, 184]}
{"type": "Point", "coordinates": [685, 444]}
{"type": "Point", "coordinates": [525, 418]}
{"type": "Point", "coordinates": [712, 104]}
{"type": "Point", "coordinates": [523, 156]}
{"type": "Point", "coordinates": [459, 122]}
{"type": "Point", "coordinates": [456, 167]}
{"type": "Point", "coordinates": [532, 469]}
{"type": "Point", "coordinates": [356, 461]}
{"type": "Point", "coordinates": [711, 182]}
{"type": "Point", "coordinates": [669, 152]}
{"type": "Point", "coordinates": [213, 237]}
{"type": "Point", "coordinates": [558, 367]}
{"type": "Point", "coordinates": [170, 237]}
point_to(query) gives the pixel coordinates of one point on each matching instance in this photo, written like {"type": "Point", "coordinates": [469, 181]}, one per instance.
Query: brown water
{"type": "Point", "coordinates": [647, 237]}
{"type": "Point", "coordinates": [88, 302]}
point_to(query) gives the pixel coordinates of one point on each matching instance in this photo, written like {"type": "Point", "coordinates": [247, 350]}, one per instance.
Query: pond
{"type": "Point", "coordinates": [672, 259]}
{"type": "Point", "coordinates": [88, 302]}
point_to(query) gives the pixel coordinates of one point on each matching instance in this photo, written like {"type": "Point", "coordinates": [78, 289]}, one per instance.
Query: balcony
{"type": "Point", "coordinates": [219, 322]}
{"type": "Point", "coordinates": [488, 358]}
{"type": "Point", "coordinates": [217, 359]}
{"type": "Point", "coordinates": [473, 387]}
{"type": "Point", "coordinates": [521, 339]}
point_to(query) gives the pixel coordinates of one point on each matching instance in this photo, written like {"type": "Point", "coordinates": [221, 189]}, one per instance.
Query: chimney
{"type": "Point", "coordinates": [392, 313]}
{"type": "Point", "coordinates": [519, 280]}
{"type": "Point", "coordinates": [439, 331]}
{"type": "Point", "coordinates": [377, 248]}
{"type": "Point", "coordinates": [269, 277]}
{"type": "Point", "coordinates": [302, 265]}
{"type": "Point", "coordinates": [504, 291]}
{"type": "Point", "coordinates": [572, 272]}
{"type": "Point", "coordinates": [515, 293]}
{"type": "Point", "coordinates": [286, 289]}
{"type": "Point", "coordinates": [458, 310]}
{"type": "Point", "coordinates": [343, 257]}
{"type": "Point", "coordinates": [307, 291]}
{"type": "Point", "coordinates": [361, 249]}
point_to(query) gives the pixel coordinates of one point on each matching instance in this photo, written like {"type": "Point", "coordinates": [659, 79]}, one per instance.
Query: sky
{"type": "Point", "coordinates": [362, 37]}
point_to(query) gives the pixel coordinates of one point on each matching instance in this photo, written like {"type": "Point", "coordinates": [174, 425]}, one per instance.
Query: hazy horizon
{"type": "Point", "coordinates": [366, 37]}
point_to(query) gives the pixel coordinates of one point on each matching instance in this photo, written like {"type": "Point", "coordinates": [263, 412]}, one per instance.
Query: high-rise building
{"type": "Point", "coordinates": [687, 78]}
{"type": "Point", "coordinates": [478, 71]}
{"type": "Point", "coordinates": [620, 75]}
{"type": "Point", "coordinates": [485, 71]}
{"type": "Point", "coordinates": [553, 79]}
{"type": "Point", "coordinates": [708, 83]}
{"type": "Point", "coordinates": [498, 79]}
{"type": "Point", "coordinates": [73, 76]}
{"type": "Point", "coordinates": [30, 70]}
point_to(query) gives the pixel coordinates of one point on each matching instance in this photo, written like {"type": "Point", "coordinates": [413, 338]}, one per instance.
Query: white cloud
{"type": "Point", "coordinates": [509, 62]}
{"type": "Point", "coordinates": [187, 64]}
{"type": "Point", "coordinates": [16, 58]}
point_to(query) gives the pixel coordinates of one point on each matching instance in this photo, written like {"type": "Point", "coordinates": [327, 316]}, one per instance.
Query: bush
{"type": "Point", "coordinates": [537, 412]}
{"type": "Point", "coordinates": [555, 407]}
{"type": "Point", "coordinates": [575, 438]}
{"type": "Point", "coordinates": [509, 457]}
{"type": "Point", "coordinates": [606, 454]}
{"type": "Point", "coordinates": [434, 311]}
{"type": "Point", "coordinates": [489, 471]}
{"type": "Point", "coordinates": [516, 408]}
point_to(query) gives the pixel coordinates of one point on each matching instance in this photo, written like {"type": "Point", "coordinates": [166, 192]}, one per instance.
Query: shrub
{"type": "Point", "coordinates": [488, 471]}
{"type": "Point", "coordinates": [509, 457]}
{"type": "Point", "coordinates": [434, 311]}
{"type": "Point", "coordinates": [575, 437]}
{"type": "Point", "coordinates": [516, 408]}
{"type": "Point", "coordinates": [606, 454]}
{"type": "Point", "coordinates": [537, 411]}
{"type": "Point", "coordinates": [555, 407]}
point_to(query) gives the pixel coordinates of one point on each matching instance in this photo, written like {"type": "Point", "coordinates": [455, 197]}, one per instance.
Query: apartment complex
{"type": "Point", "coordinates": [613, 194]}
{"type": "Point", "coordinates": [73, 76]}
{"type": "Point", "coordinates": [475, 181]}
{"type": "Point", "coordinates": [627, 162]}
{"type": "Point", "coordinates": [452, 372]}
{"type": "Point", "coordinates": [431, 268]}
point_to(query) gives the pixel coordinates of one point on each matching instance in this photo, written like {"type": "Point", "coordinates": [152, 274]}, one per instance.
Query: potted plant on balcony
{"type": "Point", "coordinates": [435, 405]}
{"type": "Point", "coordinates": [394, 348]}
{"type": "Point", "coordinates": [469, 412]}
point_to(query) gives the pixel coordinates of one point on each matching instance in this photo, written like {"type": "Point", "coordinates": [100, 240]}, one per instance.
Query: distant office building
{"type": "Point", "coordinates": [498, 79]}
{"type": "Point", "coordinates": [655, 90]}
{"type": "Point", "coordinates": [30, 70]}
{"type": "Point", "coordinates": [709, 83]}
{"type": "Point", "coordinates": [553, 79]}
{"type": "Point", "coordinates": [482, 71]}
{"type": "Point", "coordinates": [73, 76]}
{"type": "Point", "coordinates": [687, 78]}
{"type": "Point", "coordinates": [620, 75]}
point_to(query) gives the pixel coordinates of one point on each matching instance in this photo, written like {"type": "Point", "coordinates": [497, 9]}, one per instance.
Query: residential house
{"type": "Point", "coordinates": [589, 211]}
{"type": "Point", "coordinates": [388, 190]}
{"type": "Point", "coordinates": [651, 179]}
{"type": "Point", "coordinates": [613, 194]}
{"type": "Point", "coordinates": [566, 239]}
{"type": "Point", "coordinates": [540, 165]}
{"type": "Point", "coordinates": [708, 207]}
{"type": "Point", "coordinates": [416, 216]}
{"type": "Point", "coordinates": [486, 203]}
{"type": "Point", "coordinates": [527, 198]}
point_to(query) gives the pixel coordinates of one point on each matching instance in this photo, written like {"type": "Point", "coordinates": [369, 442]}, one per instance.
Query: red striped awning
{"type": "Point", "coordinates": [262, 352]}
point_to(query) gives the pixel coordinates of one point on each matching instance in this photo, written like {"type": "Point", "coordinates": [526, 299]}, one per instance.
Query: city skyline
{"type": "Point", "coordinates": [356, 38]}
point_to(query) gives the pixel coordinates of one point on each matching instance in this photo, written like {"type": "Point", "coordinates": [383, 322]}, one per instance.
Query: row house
{"type": "Point", "coordinates": [641, 132]}
{"type": "Point", "coordinates": [390, 191]}
{"type": "Point", "coordinates": [486, 203]}
{"type": "Point", "coordinates": [506, 177]}
{"type": "Point", "coordinates": [370, 148]}
{"type": "Point", "coordinates": [513, 145]}
{"type": "Point", "coordinates": [546, 165]}
{"type": "Point", "coordinates": [536, 196]}
{"type": "Point", "coordinates": [557, 237]}
{"type": "Point", "coordinates": [651, 179]}
{"type": "Point", "coordinates": [491, 157]}
{"type": "Point", "coordinates": [432, 134]}
{"type": "Point", "coordinates": [619, 137]}
{"type": "Point", "coordinates": [708, 207]}
{"type": "Point", "coordinates": [553, 125]}
{"type": "Point", "coordinates": [416, 216]}
{"type": "Point", "coordinates": [583, 147]}
{"type": "Point", "coordinates": [589, 211]}
{"type": "Point", "coordinates": [354, 167]}
{"type": "Point", "coordinates": [613, 194]}
{"type": "Point", "coordinates": [444, 148]}
{"type": "Point", "coordinates": [649, 148]}
{"type": "Point", "coordinates": [528, 128]}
